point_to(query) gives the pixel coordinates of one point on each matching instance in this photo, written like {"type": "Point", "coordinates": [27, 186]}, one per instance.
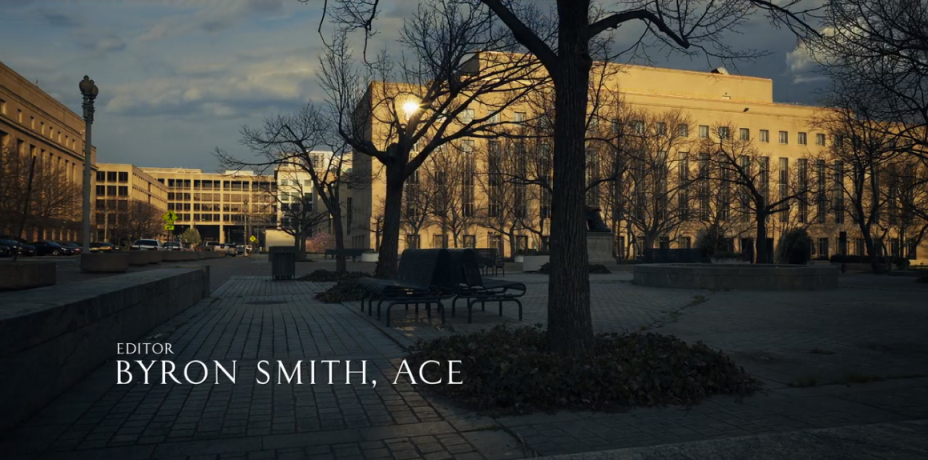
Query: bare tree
{"type": "Point", "coordinates": [131, 220]}
{"type": "Point", "coordinates": [435, 103]}
{"type": "Point", "coordinates": [881, 46]}
{"type": "Point", "coordinates": [288, 141]}
{"type": "Point", "coordinates": [417, 200]}
{"type": "Point", "coordinates": [451, 175]}
{"type": "Point", "coordinates": [35, 190]}
{"type": "Point", "coordinates": [751, 173]}
{"type": "Point", "coordinates": [562, 45]}
{"type": "Point", "coordinates": [298, 216]}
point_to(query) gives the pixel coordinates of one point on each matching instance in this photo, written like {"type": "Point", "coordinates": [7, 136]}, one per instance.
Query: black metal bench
{"type": "Point", "coordinates": [348, 252]}
{"type": "Point", "coordinates": [415, 283]}
{"type": "Point", "coordinates": [489, 259]}
{"type": "Point", "coordinates": [463, 281]}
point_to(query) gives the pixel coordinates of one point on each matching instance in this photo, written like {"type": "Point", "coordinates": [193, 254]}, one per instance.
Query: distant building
{"type": "Point", "coordinates": [226, 207]}
{"type": "Point", "coordinates": [126, 196]}
{"type": "Point", "coordinates": [35, 125]}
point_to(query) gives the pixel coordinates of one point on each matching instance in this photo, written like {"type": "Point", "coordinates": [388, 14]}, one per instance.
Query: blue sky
{"type": "Point", "coordinates": [178, 78]}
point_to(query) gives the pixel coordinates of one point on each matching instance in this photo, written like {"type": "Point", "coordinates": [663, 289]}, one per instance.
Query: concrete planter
{"type": "Point", "coordinates": [518, 259]}
{"type": "Point", "coordinates": [762, 277]}
{"type": "Point", "coordinates": [178, 256]}
{"type": "Point", "coordinates": [140, 258]}
{"type": "Point", "coordinates": [534, 263]}
{"type": "Point", "coordinates": [370, 257]}
{"type": "Point", "coordinates": [21, 275]}
{"type": "Point", "coordinates": [156, 257]}
{"type": "Point", "coordinates": [117, 262]}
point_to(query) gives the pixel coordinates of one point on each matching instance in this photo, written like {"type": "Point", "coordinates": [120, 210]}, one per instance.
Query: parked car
{"type": "Point", "coordinates": [24, 249]}
{"type": "Point", "coordinates": [231, 250]}
{"type": "Point", "coordinates": [146, 245]}
{"type": "Point", "coordinates": [240, 249]}
{"type": "Point", "coordinates": [101, 247]}
{"type": "Point", "coordinates": [9, 237]}
{"type": "Point", "coordinates": [47, 248]}
{"type": "Point", "coordinates": [6, 251]}
{"type": "Point", "coordinates": [213, 246]}
{"type": "Point", "coordinates": [70, 249]}
{"type": "Point", "coordinates": [172, 246]}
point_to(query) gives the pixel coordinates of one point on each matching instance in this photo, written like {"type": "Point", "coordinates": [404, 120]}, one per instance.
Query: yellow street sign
{"type": "Point", "coordinates": [253, 238]}
{"type": "Point", "coordinates": [169, 216]}
{"type": "Point", "coordinates": [169, 227]}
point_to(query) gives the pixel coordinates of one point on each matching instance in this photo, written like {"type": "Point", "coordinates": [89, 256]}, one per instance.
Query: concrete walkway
{"type": "Point", "coordinates": [870, 330]}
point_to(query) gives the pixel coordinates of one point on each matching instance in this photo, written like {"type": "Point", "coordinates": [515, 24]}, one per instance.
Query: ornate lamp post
{"type": "Point", "coordinates": [89, 91]}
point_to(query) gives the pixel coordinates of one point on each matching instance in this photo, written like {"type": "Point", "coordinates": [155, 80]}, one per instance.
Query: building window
{"type": "Point", "coordinates": [823, 248]}
{"type": "Point", "coordinates": [494, 118]}
{"type": "Point", "coordinates": [745, 134]}
{"type": "Point", "coordinates": [839, 192]}
{"type": "Point", "coordinates": [101, 176]}
{"type": "Point", "coordinates": [703, 132]}
{"type": "Point", "coordinates": [802, 139]}
{"type": "Point", "coordinates": [661, 128]}
{"type": "Point", "coordinates": [803, 173]}
{"type": "Point", "coordinates": [123, 177]}
{"type": "Point", "coordinates": [467, 116]}
{"type": "Point", "coordinates": [784, 187]}
{"type": "Point", "coordinates": [784, 137]}
{"type": "Point", "coordinates": [723, 132]}
{"type": "Point", "coordinates": [111, 190]}
{"type": "Point", "coordinates": [439, 241]}
{"type": "Point", "coordinates": [683, 130]}
{"type": "Point", "coordinates": [123, 190]}
{"type": "Point", "coordinates": [684, 242]}
{"type": "Point", "coordinates": [101, 190]}
{"type": "Point", "coordinates": [518, 117]}
{"type": "Point", "coordinates": [819, 139]}
{"type": "Point", "coordinates": [638, 126]}
{"type": "Point", "coordinates": [765, 136]}
{"type": "Point", "coordinates": [111, 176]}
{"type": "Point", "coordinates": [859, 247]}
{"type": "Point", "coordinates": [495, 241]}
{"type": "Point", "coordinates": [470, 241]}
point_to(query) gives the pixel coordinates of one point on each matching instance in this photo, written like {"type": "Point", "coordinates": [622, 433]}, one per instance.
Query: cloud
{"type": "Point", "coordinates": [57, 18]}
{"type": "Point", "coordinates": [226, 89]}
{"type": "Point", "coordinates": [213, 18]}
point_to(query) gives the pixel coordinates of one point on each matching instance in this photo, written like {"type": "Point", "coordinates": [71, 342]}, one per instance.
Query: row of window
{"type": "Point", "coordinates": [222, 197]}
{"type": "Point", "coordinates": [112, 190]}
{"type": "Point", "coordinates": [50, 132]}
{"type": "Point", "coordinates": [68, 169]}
{"type": "Point", "coordinates": [228, 186]}
{"type": "Point", "coordinates": [216, 207]}
{"type": "Point", "coordinates": [112, 176]}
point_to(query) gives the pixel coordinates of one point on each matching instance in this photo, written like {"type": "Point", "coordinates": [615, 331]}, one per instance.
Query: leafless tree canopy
{"type": "Point", "coordinates": [877, 52]}
{"type": "Point", "coordinates": [49, 201]}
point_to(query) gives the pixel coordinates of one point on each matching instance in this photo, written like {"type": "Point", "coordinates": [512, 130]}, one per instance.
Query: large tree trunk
{"type": "Point", "coordinates": [392, 221]}
{"type": "Point", "coordinates": [341, 265]}
{"type": "Point", "coordinates": [570, 328]}
{"type": "Point", "coordinates": [760, 243]}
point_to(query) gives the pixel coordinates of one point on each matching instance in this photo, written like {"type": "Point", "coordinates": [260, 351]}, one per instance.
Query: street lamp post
{"type": "Point", "coordinates": [89, 91]}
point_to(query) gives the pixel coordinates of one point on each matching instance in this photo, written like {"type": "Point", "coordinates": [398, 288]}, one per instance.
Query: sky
{"type": "Point", "coordinates": [179, 78]}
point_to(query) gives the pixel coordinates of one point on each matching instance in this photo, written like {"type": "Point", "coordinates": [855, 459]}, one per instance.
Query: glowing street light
{"type": "Point", "coordinates": [410, 107]}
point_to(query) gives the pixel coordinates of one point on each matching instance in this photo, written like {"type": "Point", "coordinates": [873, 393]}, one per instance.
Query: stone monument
{"type": "Point", "coordinates": [598, 238]}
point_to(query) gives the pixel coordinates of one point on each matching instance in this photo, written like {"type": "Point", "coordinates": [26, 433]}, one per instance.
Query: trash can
{"type": "Point", "coordinates": [283, 262]}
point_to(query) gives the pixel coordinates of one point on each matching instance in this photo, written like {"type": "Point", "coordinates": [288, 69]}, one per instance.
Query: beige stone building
{"type": "Point", "coordinates": [125, 197]}
{"type": "Point", "coordinates": [787, 145]}
{"type": "Point", "coordinates": [34, 124]}
{"type": "Point", "coordinates": [225, 207]}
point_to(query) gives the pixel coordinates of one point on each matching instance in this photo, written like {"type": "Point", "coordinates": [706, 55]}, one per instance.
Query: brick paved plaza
{"type": "Point", "coordinates": [873, 326]}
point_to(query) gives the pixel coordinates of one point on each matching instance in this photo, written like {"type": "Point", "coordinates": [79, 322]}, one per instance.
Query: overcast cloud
{"type": "Point", "coordinates": [179, 78]}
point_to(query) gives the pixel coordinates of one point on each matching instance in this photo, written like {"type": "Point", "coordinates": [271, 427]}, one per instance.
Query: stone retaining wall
{"type": "Point", "coordinates": [737, 276]}
{"type": "Point", "coordinates": [52, 337]}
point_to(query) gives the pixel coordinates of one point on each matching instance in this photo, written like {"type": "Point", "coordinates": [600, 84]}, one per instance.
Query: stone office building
{"type": "Point", "coordinates": [35, 125]}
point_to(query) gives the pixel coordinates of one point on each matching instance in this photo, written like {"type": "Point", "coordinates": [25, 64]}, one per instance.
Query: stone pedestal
{"type": "Point", "coordinates": [599, 248]}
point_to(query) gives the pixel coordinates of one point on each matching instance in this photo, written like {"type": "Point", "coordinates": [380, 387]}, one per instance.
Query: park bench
{"type": "Point", "coordinates": [348, 252]}
{"type": "Point", "coordinates": [415, 283]}
{"type": "Point", "coordinates": [463, 281]}
{"type": "Point", "coordinates": [489, 259]}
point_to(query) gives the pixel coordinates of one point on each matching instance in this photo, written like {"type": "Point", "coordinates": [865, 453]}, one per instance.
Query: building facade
{"type": "Point", "coordinates": [226, 207]}
{"type": "Point", "coordinates": [129, 204]}
{"type": "Point", "coordinates": [35, 125]}
{"type": "Point", "coordinates": [651, 146]}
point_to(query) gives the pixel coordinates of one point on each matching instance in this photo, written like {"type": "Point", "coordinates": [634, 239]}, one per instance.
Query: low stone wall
{"type": "Point", "coordinates": [737, 276]}
{"type": "Point", "coordinates": [52, 337]}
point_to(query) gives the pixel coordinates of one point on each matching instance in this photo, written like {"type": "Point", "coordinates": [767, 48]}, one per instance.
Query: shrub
{"type": "Point", "coordinates": [323, 275]}
{"type": "Point", "coordinates": [597, 269]}
{"type": "Point", "coordinates": [795, 247]}
{"type": "Point", "coordinates": [507, 370]}
{"type": "Point", "coordinates": [345, 290]}
{"type": "Point", "coordinates": [727, 255]}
